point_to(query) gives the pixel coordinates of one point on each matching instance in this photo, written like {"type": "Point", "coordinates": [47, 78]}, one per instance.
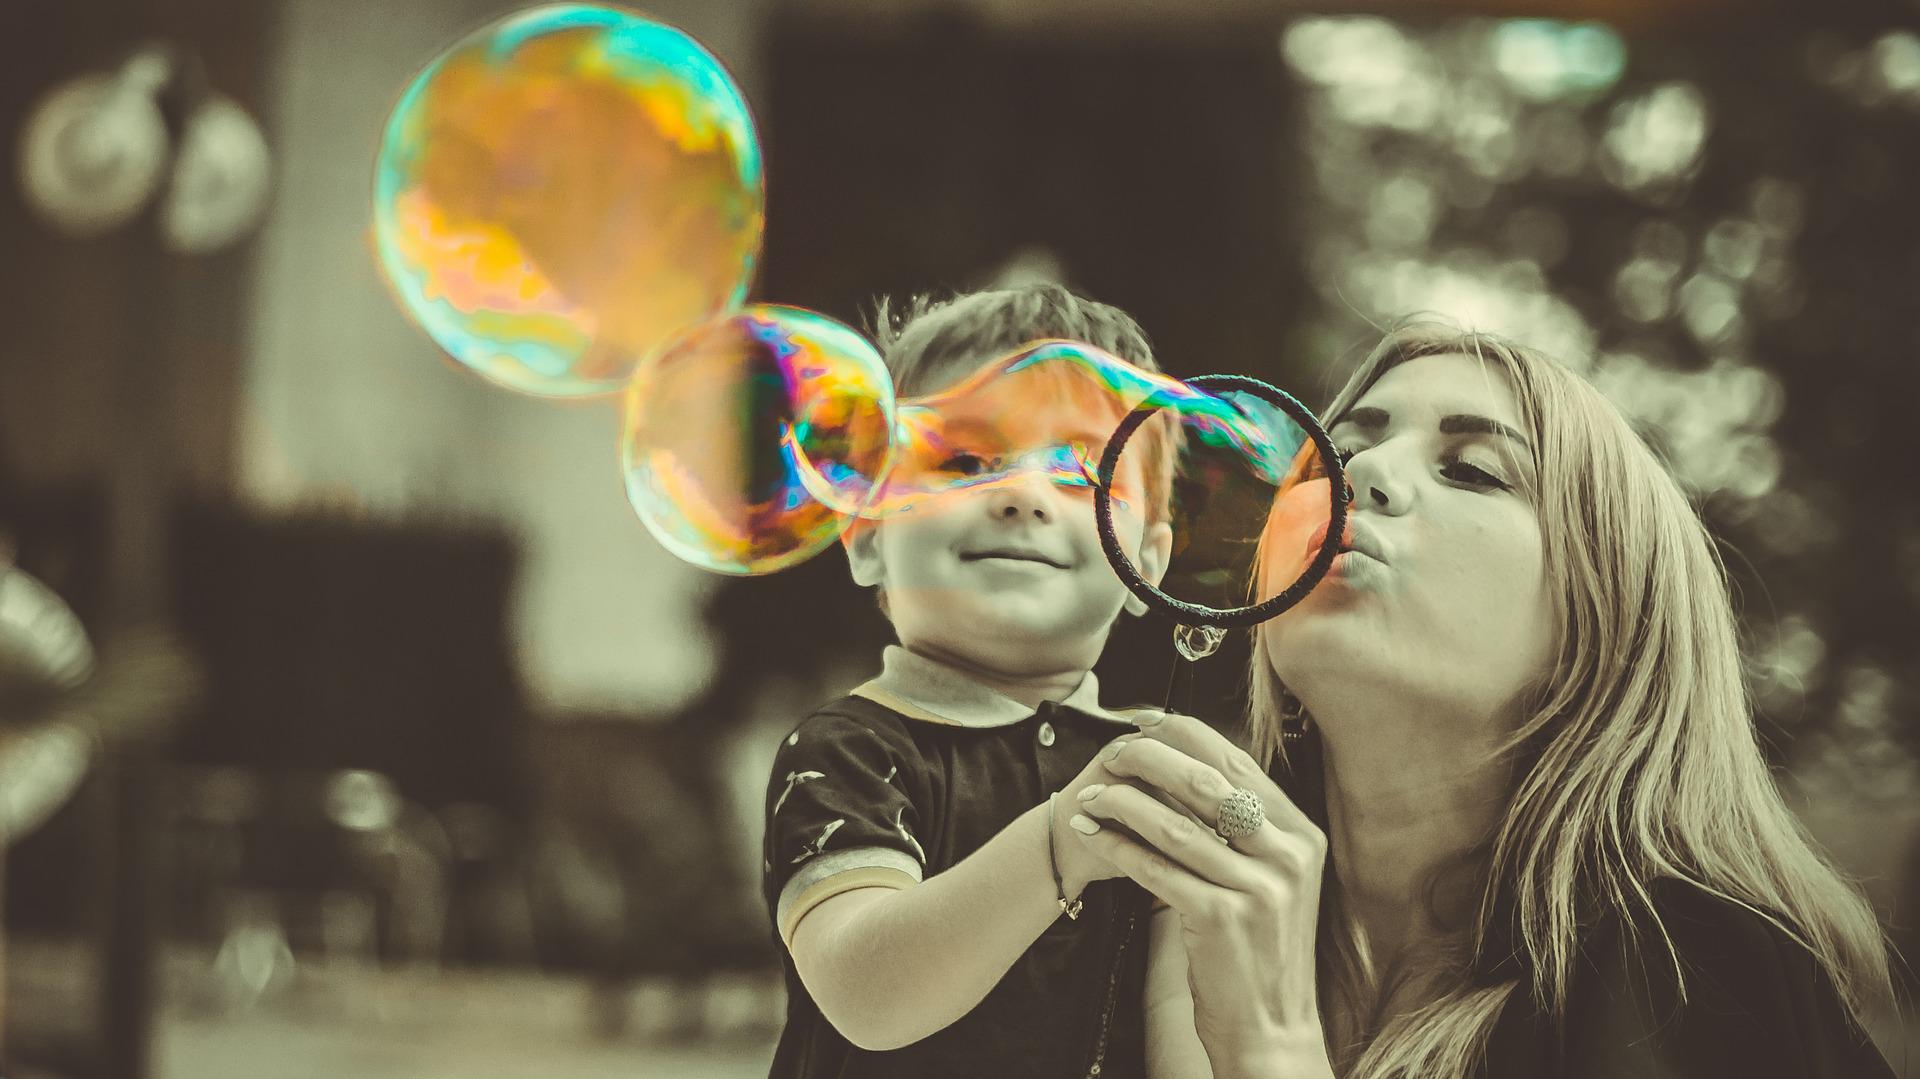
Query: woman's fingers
{"type": "Point", "coordinates": [1194, 739]}
{"type": "Point", "coordinates": [1201, 742]}
{"type": "Point", "coordinates": [1169, 882]}
{"type": "Point", "coordinates": [1196, 785]}
{"type": "Point", "coordinates": [1176, 837]}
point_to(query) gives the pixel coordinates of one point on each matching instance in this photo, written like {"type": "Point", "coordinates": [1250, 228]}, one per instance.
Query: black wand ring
{"type": "Point", "coordinates": [1194, 614]}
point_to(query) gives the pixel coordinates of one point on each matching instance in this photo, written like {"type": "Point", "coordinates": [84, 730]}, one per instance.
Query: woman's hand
{"type": "Point", "coordinates": [1247, 909]}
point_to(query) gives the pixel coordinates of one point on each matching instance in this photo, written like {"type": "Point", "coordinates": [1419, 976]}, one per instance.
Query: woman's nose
{"type": "Point", "coordinates": [1376, 482]}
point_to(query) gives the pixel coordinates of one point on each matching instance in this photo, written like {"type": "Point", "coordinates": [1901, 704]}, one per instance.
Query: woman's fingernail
{"type": "Point", "coordinates": [1087, 792]}
{"type": "Point", "coordinates": [1084, 825]}
{"type": "Point", "coordinates": [1112, 751]}
{"type": "Point", "coordinates": [1147, 718]}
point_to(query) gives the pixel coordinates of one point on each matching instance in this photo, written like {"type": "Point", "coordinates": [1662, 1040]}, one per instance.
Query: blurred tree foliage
{"type": "Point", "coordinates": [1717, 221]}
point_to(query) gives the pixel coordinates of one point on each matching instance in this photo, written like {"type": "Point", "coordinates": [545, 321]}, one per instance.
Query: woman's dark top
{"type": "Point", "coordinates": [1757, 1006]}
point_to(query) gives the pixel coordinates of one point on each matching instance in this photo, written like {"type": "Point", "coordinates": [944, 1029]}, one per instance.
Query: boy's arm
{"type": "Point", "coordinates": [1174, 1050]}
{"type": "Point", "coordinates": [890, 966]}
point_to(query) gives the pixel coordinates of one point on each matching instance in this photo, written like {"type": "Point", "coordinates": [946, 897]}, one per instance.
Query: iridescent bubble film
{"type": "Point", "coordinates": [1049, 408]}
{"type": "Point", "coordinates": [1211, 465]}
{"type": "Point", "coordinates": [1223, 500]}
{"type": "Point", "coordinates": [752, 442]}
{"type": "Point", "coordinates": [739, 433]}
{"type": "Point", "coordinates": [1293, 525]}
{"type": "Point", "coordinates": [563, 191]}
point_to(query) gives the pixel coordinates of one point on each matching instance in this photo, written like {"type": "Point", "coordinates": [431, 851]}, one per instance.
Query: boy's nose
{"type": "Point", "coordinates": [1024, 497]}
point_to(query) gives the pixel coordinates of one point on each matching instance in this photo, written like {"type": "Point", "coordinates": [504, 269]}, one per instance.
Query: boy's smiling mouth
{"type": "Point", "coordinates": [1011, 554]}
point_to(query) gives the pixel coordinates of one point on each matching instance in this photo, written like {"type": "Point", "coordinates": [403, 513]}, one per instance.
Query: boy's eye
{"type": "Point", "coordinates": [964, 464]}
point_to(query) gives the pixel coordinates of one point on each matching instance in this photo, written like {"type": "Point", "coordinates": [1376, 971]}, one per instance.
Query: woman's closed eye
{"type": "Point", "coordinates": [1461, 471]}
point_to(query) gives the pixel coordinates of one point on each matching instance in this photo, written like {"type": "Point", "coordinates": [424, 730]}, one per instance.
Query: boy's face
{"type": "Point", "coordinates": [1008, 577]}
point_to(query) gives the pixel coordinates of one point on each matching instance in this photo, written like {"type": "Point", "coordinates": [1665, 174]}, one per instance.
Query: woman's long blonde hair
{"type": "Point", "coordinates": [1639, 760]}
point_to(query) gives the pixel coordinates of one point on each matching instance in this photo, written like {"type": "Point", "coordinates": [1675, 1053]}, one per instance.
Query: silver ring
{"type": "Point", "coordinates": [1241, 814]}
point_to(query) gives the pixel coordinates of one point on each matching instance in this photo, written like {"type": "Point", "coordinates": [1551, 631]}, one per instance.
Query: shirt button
{"type": "Point", "coordinates": [1046, 735]}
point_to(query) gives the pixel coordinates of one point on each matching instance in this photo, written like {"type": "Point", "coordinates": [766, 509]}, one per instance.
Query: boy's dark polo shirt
{"type": "Point", "coordinates": [902, 779]}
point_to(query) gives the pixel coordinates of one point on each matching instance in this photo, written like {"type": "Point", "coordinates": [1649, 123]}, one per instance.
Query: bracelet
{"type": "Point", "coordinates": [1068, 907]}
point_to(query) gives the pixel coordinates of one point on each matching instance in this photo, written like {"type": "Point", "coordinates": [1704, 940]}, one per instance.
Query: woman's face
{"type": "Point", "coordinates": [1440, 599]}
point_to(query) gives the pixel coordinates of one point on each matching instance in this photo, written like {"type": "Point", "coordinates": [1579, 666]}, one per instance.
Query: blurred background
{"type": "Point", "coordinates": [389, 744]}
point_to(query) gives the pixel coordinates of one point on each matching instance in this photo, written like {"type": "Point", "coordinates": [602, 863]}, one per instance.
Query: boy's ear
{"type": "Point", "coordinates": [1156, 551]}
{"type": "Point", "coordinates": [861, 541]}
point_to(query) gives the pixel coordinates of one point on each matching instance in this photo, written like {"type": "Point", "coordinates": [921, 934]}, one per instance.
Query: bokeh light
{"type": "Point", "coordinates": [1545, 59]}
{"type": "Point", "coordinates": [1655, 138]}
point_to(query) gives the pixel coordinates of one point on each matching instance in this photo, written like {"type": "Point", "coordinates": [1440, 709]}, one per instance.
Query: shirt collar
{"type": "Point", "coordinates": [925, 689]}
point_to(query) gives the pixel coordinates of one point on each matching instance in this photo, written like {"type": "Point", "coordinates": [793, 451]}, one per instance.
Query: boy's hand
{"type": "Point", "coordinates": [1079, 866]}
{"type": "Point", "coordinates": [1077, 863]}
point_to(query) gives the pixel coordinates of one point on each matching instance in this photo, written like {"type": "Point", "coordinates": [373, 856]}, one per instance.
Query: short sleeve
{"type": "Point", "coordinates": [841, 815]}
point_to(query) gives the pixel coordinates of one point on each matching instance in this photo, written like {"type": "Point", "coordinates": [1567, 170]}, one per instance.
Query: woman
{"type": "Point", "coordinates": [1525, 828]}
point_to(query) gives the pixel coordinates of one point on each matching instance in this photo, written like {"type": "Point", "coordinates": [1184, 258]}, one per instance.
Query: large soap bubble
{"type": "Point", "coordinates": [564, 190]}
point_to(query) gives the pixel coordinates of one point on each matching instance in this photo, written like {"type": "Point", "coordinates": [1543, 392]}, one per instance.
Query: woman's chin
{"type": "Point", "coordinates": [1321, 649]}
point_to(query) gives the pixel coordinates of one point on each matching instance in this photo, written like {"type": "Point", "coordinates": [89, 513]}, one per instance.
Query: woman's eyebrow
{"type": "Point", "coordinates": [1371, 419]}
{"type": "Point", "coordinates": [1464, 424]}
{"type": "Point", "coordinates": [1461, 423]}
{"type": "Point", "coordinates": [1367, 419]}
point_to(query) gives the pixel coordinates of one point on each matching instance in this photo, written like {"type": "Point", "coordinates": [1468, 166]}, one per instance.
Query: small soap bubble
{"type": "Point", "coordinates": [752, 440]}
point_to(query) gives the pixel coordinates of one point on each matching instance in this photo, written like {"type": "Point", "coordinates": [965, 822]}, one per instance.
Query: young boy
{"type": "Point", "coordinates": [916, 868]}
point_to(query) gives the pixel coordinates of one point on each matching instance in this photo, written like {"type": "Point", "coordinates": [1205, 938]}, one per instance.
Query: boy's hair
{"type": "Point", "coordinates": [922, 338]}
